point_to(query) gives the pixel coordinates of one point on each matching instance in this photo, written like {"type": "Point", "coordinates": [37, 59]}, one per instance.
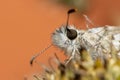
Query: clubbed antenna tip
{"type": "Point", "coordinates": [32, 59]}
{"type": "Point", "coordinates": [71, 11]}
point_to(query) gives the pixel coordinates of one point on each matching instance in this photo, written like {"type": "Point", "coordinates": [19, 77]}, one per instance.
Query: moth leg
{"type": "Point", "coordinates": [71, 57]}
{"type": "Point", "coordinates": [88, 21]}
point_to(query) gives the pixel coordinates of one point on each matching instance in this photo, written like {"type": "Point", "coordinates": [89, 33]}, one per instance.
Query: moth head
{"type": "Point", "coordinates": [65, 37]}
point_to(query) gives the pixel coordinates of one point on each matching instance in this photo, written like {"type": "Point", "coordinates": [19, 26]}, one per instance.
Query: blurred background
{"type": "Point", "coordinates": [26, 27]}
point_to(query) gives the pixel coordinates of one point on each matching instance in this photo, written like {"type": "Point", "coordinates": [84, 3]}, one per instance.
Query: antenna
{"type": "Point", "coordinates": [68, 13]}
{"type": "Point", "coordinates": [36, 55]}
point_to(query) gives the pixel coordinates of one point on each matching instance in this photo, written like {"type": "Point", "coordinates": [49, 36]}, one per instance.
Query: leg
{"type": "Point", "coordinates": [88, 21]}
{"type": "Point", "coordinates": [71, 57]}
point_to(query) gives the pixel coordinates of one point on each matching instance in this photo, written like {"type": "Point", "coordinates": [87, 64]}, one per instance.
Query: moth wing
{"type": "Point", "coordinates": [106, 30]}
{"type": "Point", "coordinates": [117, 36]}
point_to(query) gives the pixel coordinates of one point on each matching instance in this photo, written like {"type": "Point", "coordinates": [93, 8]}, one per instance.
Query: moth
{"type": "Point", "coordinates": [97, 41]}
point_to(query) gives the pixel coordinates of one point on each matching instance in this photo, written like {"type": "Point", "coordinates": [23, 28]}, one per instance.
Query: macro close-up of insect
{"type": "Point", "coordinates": [60, 40]}
{"type": "Point", "coordinates": [92, 53]}
{"type": "Point", "coordinates": [99, 41]}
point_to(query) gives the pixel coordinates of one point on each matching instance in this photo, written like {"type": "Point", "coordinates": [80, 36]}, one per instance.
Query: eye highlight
{"type": "Point", "coordinates": [71, 33]}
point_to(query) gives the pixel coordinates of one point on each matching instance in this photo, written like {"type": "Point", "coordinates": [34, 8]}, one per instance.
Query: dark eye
{"type": "Point", "coordinates": [71, 34]}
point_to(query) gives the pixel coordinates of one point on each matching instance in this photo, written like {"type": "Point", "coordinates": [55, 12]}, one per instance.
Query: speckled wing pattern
{"type": "Point", "coordinates": [100, 41]}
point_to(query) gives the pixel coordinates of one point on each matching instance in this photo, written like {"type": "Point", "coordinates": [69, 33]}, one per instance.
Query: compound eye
{"type": "Point", "coordinates": [71, 34]}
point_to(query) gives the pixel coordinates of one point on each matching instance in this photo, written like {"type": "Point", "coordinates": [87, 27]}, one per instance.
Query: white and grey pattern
{"type": "Point", "coordinates": [97, 41]}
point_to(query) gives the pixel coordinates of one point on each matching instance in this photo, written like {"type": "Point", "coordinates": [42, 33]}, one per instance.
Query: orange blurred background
{"type": "Point", "coordinates": [26, 27]}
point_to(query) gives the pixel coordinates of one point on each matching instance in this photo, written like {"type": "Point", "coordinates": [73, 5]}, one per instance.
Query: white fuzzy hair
{"type": "Point", "coordinates": [61, 40]}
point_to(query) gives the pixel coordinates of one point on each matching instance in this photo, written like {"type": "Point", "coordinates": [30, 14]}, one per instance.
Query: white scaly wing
{"type": "Point", "coordinates": [99, 41]}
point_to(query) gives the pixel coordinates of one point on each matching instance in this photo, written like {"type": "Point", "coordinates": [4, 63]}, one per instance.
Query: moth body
{"type": "Point", "coordinates": [97, 41]}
